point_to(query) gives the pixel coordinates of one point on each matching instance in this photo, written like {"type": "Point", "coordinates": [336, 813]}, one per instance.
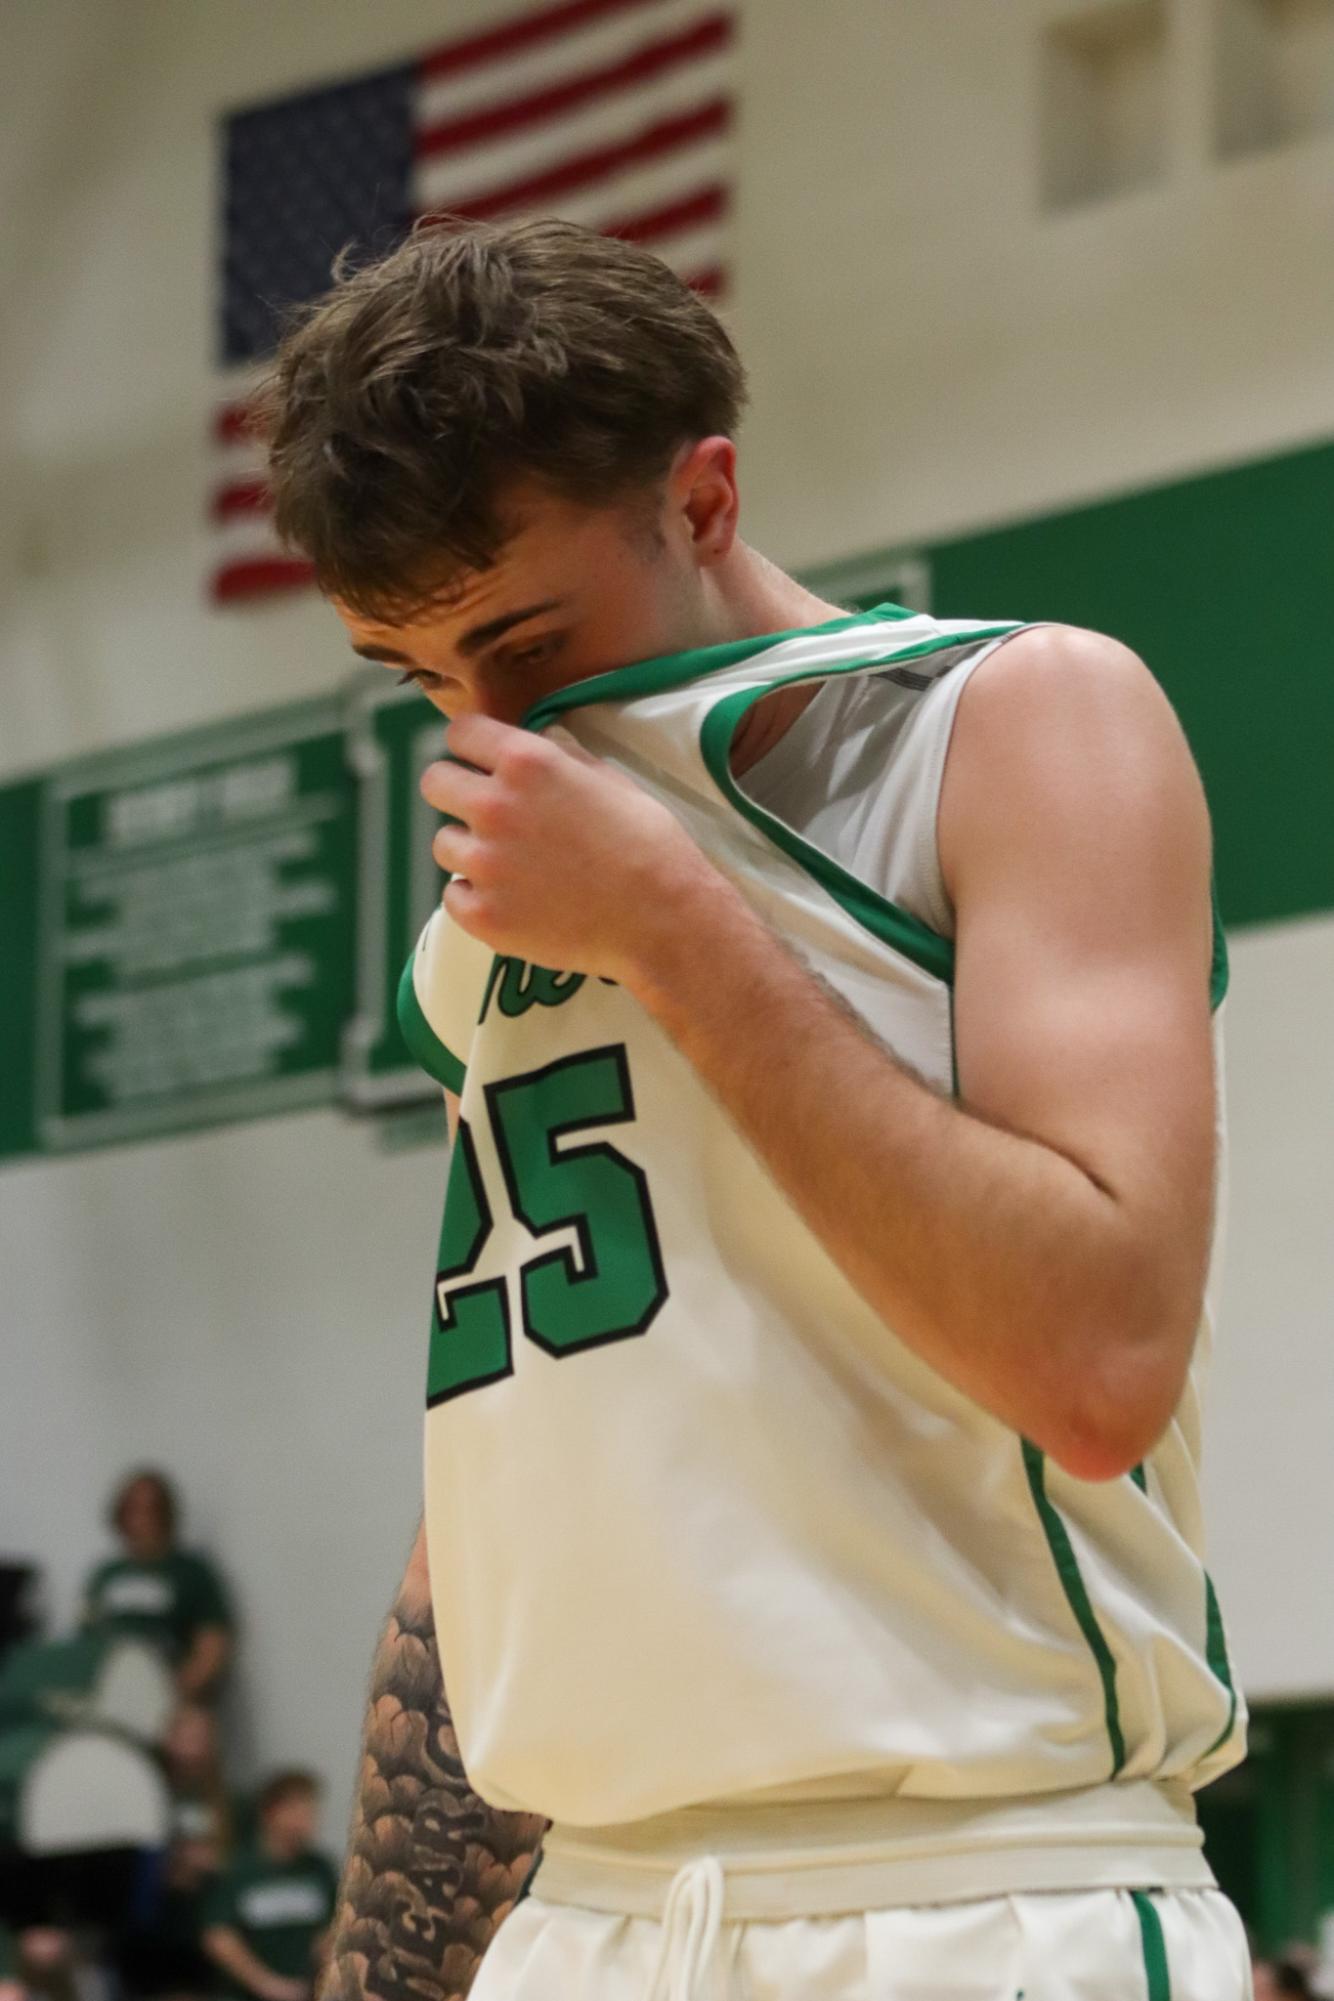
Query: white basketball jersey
{"type": "Point", "coordinates": [686, 1545]}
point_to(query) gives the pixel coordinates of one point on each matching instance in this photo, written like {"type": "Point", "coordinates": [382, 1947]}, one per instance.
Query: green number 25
{"type": "Point", "coordinates": [607, 1286]}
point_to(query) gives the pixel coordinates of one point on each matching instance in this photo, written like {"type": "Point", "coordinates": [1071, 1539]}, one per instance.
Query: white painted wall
{"type": "Point", "coordinates": [929, 352]}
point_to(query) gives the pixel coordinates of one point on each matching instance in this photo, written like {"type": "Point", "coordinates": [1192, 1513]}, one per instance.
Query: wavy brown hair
{"type": "Point", "coordinates": [404, 404]}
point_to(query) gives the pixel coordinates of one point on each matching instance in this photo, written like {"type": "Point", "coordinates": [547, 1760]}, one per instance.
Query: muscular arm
{"type": "Point", "coordinates": [431, 1869]}
{"type": "Point", "coordinates": [1041, 1241]}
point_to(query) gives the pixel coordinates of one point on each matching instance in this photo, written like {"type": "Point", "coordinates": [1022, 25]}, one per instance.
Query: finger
{"type": "Point", "coordinates": [461, 901]}
{"type": "Point", "coordinates": [454, 788]}
{"type": "Point", "coordinates": [481, 740]}
{"type": "Point", "coordinates": [456, 851]}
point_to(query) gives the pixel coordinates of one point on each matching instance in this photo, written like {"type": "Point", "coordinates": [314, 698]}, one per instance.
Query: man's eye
{"type": "Point", "coordinates": [541, 650]}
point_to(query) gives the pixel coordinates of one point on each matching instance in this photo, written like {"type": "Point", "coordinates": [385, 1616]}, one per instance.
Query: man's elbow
{"type": "Point", "coordinates": [1123, 1403]}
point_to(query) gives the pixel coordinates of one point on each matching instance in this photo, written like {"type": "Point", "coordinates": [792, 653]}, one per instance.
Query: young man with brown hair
{"type": "Point", "coordinates": [827, 1007]}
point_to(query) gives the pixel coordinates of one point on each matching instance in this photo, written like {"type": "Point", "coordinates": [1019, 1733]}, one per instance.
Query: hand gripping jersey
{"type": "Point", "coordinates": [686, 1545]}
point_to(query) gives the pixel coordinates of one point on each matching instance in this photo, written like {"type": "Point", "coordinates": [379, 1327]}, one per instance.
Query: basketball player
{"type": "Point", "coordinates": [827, 1008]}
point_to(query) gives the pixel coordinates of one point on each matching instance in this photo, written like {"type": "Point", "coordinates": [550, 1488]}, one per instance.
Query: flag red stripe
{"type": "Point", "coordinates": [455, 135]}
{"type": "Point", "coordinates": [651, 225]}
{"type": "Point", "coordinates": [709, 283]}
{"type": "Point", "coordinates": [527, 32]}
{"type": "Point", "coordinates": [255, 575]}
{"type": "Point", "coordinates": [231, 424]}
{"type": "Point", "coordinates": [242, 496]}
{"type": "Point", "coordinates": [587, 169]}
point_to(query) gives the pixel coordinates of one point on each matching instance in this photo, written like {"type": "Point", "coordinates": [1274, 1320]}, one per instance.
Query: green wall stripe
{"type": "Point", "coordinates": [1077, 1597]}
{"type": "Point", "coordinates": [1221, 582]}
{"type": "Point", "coordinates": [421, 1038]}
{"type": "Point", "coordinates": [1157, 1980]}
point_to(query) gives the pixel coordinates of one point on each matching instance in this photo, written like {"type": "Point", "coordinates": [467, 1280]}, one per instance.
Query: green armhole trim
{"type": "Point", "coordinates": [1218, 969]}
{"type": "Point", "coordinates": [674, 670]}
{"type": "Point", "coordinates": [907, 935]}
{"type": "Point", "coordinates": [1215, 1653]}
{"type": "Point", "coordinates": [1157, 1980]}
{"type": "Point", "coordinates": [1140, 1477]}
{"type": "Point", "coordinates": [421, 1038]}
{"type": "Point", "coordinates": [1076, 1593]}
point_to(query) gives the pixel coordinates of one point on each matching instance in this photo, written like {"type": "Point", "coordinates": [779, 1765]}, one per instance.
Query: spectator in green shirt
{"type": "Point", "coordinates": [266, 1919]}
{"type": "Point", "coordinates": [158, 1592]}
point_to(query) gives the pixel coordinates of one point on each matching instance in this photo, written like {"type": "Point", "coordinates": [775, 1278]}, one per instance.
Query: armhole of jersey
{"type": "Point", "coordinates": [886, 921]}
{"type": "Point", "coordinates": [1218, 970]}
{"type": "Point", "coordinates": [421, 1038]}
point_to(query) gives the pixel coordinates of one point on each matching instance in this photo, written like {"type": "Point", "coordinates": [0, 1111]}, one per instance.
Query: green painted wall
{"type": "Point", "coordinates": [1225, 586]}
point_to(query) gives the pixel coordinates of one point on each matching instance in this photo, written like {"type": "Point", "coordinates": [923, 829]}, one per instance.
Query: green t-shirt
{"type": "Point", "coordinates": [164, 1601]}
{"type": "Point", "coordinates": [279, 1908]}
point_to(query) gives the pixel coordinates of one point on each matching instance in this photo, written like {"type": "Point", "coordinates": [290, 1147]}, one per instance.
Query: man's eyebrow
{"type": "Point", "coordinates": [385, 654]}
{"type": "Point", "coordinates": [481, 636]}
{"type": "Point", "coordinates": [473, 641]}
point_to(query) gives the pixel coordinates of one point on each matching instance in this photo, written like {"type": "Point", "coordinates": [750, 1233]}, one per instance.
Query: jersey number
{"type": "Point", "coordinates": [605, 1286]}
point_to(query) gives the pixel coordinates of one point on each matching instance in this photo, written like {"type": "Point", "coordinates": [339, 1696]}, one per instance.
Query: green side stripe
{"type": "Point", "coordinates": [674, 670]}
{"type": "Point", "coordinates": [421, 1038]}
{"type": "Point", "coordinates": [1215, 1653]}
{"type": "Point", "coordinates": [1157, 1980]}
{"type": "Point", "coordinates": [1076, 1593]}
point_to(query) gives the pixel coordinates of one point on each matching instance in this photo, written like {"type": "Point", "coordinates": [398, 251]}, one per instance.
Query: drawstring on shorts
{"type": "Point", "coordinates": [691, 1927]}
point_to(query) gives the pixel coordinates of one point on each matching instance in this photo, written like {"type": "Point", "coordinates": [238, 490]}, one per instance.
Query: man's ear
{"type": "Point", "coordinates": [703, 485]}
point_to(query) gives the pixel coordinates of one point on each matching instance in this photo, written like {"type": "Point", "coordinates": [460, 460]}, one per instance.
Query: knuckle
{"type": "Point", "coordinates": [501, 810]}
{"type": "Point", "coordinates": [525, 755]}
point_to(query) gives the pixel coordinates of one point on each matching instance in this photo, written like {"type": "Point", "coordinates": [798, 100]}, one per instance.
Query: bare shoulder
{"type": "Point", "coordinates": [1067, 670]}
{"type": "Point", "coordinates": [1070, 726]}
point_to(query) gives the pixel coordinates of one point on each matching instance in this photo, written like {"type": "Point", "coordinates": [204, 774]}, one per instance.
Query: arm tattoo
{"type": "Point", "coordinates": [431, 1869]}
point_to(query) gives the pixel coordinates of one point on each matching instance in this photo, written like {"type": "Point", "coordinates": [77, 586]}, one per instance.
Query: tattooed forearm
{"type": "Point", "coordinates": [431, 1869]}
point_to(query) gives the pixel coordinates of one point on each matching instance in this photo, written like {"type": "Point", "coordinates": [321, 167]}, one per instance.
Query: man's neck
{"type": "Point", "coordinates": [761, 598]}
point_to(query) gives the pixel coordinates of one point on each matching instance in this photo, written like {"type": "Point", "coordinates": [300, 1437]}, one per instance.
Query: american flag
{"type": "Point", "coordinates": [613, 113]}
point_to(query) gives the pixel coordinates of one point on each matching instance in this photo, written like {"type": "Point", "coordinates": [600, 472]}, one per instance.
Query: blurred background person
{"type": "Point", "coordinates": [1282, 1980]}
{"type": "Point", "coordinates": [161, 1950]}
{"type": "Point", "coordinates": [156, 1591]}
{"type": "Point", "coordinates": [266, 1919]}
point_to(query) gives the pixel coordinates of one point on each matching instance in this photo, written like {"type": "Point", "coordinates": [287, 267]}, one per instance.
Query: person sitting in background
{"type": "Point", "coordinates": [161, 1950]}
{"type": "Point", "coordinates": [266, 1919]}
{"type": "Point", "coordinates": [40, 1964]}
{"type": "Point", "coordinates": [172, 1597]}
{"type": "Point", "coordinates": [1281, 1980]}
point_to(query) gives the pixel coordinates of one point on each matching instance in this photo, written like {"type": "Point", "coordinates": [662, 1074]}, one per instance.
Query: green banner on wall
{"type": "Point", "coordinates": [392, 735]}
{"type": "Point", "coordinates": [195, 901]}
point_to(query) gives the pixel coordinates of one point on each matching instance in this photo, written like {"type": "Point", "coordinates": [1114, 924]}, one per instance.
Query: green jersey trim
{"type": "Point", "coordinates": [1077, 1597]}
{"type": "Point", "coordinates": [1218, 970]}
{"type": "Point", "coordinates": [1215, 1653]}
{"type": "Point", "coordinates": [422, 1040]}
{"type": "Point", "coordinates": [675, 670]}
{"type": "Point", "coordinates": [884, 920]}
{"type": "Point", "coordinates": [1157, 1979]}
